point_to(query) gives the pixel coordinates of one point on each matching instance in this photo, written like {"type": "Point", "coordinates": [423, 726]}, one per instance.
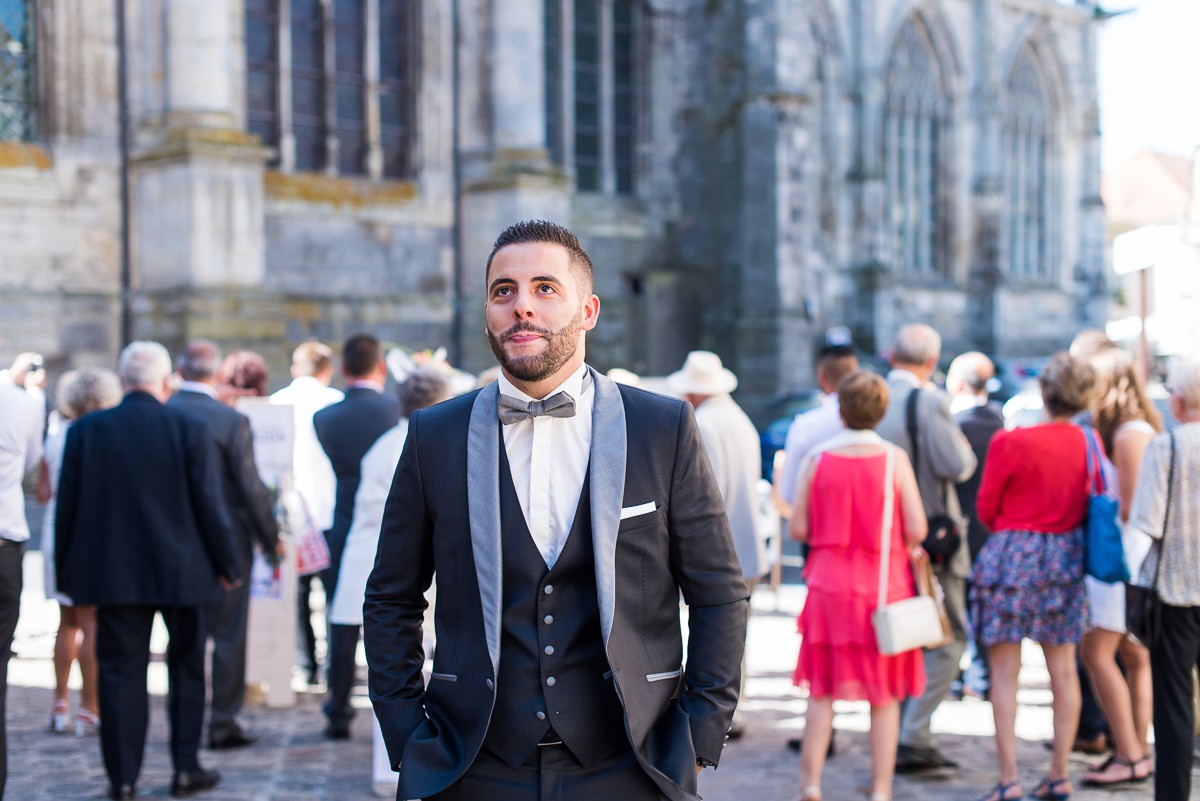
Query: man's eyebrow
{"type": "Point", "coordinates": [537, 279]}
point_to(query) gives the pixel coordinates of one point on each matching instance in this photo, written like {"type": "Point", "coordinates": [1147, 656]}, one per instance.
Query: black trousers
{"type": "Point", "coordinates": [11, 554]}
{"type": "Point", "coordinates": [226, 621]}
{"type": "Point", "coordinates": [1171, 663]}
{"type": "Point", "coordinates": [552, 773]}
{"type": "Point", "coordinates": [341, 669]}
{"type": "Point", "coordinates": [123, 655]}
{"type": "Point", "coordinates": [307, 638]}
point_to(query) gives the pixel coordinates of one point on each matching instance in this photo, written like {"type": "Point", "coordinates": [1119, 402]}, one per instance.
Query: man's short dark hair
{"type": "Point", "coordinates": [835, 362]}
{"type": "Point", "coordinates": [360, 355]}
{"type": "Point", "coordinates": [529, 231]}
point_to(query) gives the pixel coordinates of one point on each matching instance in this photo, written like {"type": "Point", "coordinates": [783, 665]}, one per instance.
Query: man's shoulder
{"type": "Point", "coordinates": [644, 405]}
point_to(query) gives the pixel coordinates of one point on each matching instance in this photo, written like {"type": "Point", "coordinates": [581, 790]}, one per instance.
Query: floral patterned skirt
{"type": "Point", "coordinates": [1030, 584]}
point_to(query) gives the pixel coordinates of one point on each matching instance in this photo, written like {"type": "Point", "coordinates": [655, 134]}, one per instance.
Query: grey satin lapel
{"type": "Point", "coordinates": [483, 500]}
{"type": "Point", "coordinates": [607, 491]}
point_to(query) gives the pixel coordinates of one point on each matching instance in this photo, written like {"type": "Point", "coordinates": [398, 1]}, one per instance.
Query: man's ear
{"type": "Point", "coordinates": [591, 313]}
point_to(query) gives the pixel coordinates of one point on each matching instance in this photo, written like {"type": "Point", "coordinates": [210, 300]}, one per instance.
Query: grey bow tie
{"type": "Point", "coordinates": [514, 410]}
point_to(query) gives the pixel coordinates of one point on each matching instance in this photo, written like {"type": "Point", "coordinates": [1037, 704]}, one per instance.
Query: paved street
{"type": "Point", "coordinates": [293, 761]}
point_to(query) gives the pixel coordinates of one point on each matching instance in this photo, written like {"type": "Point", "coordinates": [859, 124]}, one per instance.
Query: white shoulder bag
{"type": "Point", "coordinates": [912, 622]}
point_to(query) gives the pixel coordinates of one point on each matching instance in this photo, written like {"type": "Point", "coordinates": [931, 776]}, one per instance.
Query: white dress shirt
{"type": "Point", "coordinates": [806, 432]}
{"type": "Point", "coordinates": [548, 458]}
{"type": "Point", "coordinates": [200, 387]}
{"type": "Point", "coordinates": [22, 419]}
{"type": "Point", "coordinates": [312, 474]}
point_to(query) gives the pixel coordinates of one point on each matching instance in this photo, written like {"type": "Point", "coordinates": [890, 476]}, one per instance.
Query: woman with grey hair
{"type": "Point", "coordinates": [79, 392]}
{"type": "Point", "coordinates": [1166, 507]}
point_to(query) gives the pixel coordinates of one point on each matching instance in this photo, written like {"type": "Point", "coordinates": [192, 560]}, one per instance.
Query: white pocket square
{"type": "Point", "coordinates": [640, 509]}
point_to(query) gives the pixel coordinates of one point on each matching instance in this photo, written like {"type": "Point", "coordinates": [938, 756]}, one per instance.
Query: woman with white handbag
{"type": "Point", "coordinates": [859, 510]}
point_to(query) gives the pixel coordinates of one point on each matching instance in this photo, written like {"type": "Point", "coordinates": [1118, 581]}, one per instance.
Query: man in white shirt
{"type": "Point", "coordinates": [22, 419]}
{"type": "Point", "coordinates": [312, 474]}
{"type": "Point", "coordinates": [813, 427]}
{"type": "Point", "coordinates": [563, 515]}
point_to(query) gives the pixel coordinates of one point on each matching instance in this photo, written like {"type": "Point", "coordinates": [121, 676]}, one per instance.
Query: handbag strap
{"type": "Point", "coordinates": [889, 504]}
{"type": "Point", "coordinates": [1167, 509]}
{"type": "Point", "coordinates": [1094, 469]}
{"type": "Point", "coordinates": [910, 424]}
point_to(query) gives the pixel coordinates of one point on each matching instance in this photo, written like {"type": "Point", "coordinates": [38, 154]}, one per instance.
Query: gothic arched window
{"type": "Point", "coordinates": [1027, 154]}
{"type": "Point", "coordinates": [914, 136]}
{"type": "Point", "coordinates": [18, 80]}
{"type": "Point", "coordinates": [592, 91]}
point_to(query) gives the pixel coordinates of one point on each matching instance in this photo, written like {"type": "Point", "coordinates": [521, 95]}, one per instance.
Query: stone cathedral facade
{"type": "Point", "coordinates": [746, 173]}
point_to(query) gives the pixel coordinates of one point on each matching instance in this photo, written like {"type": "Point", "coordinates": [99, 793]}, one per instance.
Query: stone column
{"type": "Point", "coordinates": [987, 185]}
{"type": "Point", "coordinates": [199, 54]}
{"type": "Point", "coordinates": [516, 81]}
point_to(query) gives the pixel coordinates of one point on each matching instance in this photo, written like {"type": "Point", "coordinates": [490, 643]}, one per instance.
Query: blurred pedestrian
{"type": "Point", "coordinates": [841, 505]}
{"type": "Point", "coordinates": [141, 529]}
{"type": "Point", "coordinates": [735, 453]}
{"type": "Point", "coordinates": [22, 418]}
{"type": "Point", "coordinates": [312, 474]}
{"type": "Point", "coordinates": [27, 372]}
{"type": "Point", "coordinates": [251, 509]}
{"type": "Point", "coordinates": [813, 427]}
{"type": "Point", "coordinates": [1126, 421]}
{"type": "Point", "coordinates": [918, 419]}
{"type": "Point", "coordinates": [346, 431]}
{"type": "Point", "coordinates": [1028, 579]}
{"type": "Point", "coordinates": [243, 374]}
{"type": "Point", "coordinates": [1166, 507]}
{"type": "Point", "coordinates": [79, 392]}
{"type": "Point", "coordinates": [967, 385]}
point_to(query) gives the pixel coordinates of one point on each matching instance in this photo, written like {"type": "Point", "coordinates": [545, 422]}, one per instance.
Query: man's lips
{"type": "Point", "coordinates": [523, 337]}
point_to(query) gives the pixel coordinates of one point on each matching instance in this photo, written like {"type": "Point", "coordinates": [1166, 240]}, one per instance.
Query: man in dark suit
{"type": "Point", "coordinates": [253, 517]}
{"type": "Point", "coordinates": [346, 431]}
{"type": "Point", "coordinates": [141, 528]}
{"type": "Point", "coordinates": [563, 515]}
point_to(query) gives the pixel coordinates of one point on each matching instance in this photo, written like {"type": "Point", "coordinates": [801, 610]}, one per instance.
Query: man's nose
{"type": "Point", "coordinates": [523, 307]}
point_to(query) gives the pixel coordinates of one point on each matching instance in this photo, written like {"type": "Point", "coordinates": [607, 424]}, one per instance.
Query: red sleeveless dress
{"type": "Point", "coordinates": [838, 654]}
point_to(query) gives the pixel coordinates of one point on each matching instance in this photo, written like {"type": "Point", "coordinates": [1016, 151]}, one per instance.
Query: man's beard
{"type": "Point", "coordinates": [560, 347]}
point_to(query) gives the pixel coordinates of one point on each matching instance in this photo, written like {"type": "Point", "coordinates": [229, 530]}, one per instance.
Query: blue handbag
{"type": "Point", "coordinates": [1105, 552]}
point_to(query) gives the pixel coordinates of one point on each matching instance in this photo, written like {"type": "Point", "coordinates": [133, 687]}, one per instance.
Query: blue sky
{"type": "Point", "coordinates": [1149, 77]}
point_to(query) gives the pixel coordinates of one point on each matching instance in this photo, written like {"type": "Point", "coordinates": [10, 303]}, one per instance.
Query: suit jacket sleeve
{"type": "Point", "coordinates": [256, 499]}
{"type": "Point", "coordinates": [64, 514]}
{"type": "Point", "coordinates": [949, 453]}
{"type": "Point", "coordinates": [706, 567]}
{"type": "Point", "coordinates": [395, 603]}
{"type": "Point", "coordinates": [203, 471]}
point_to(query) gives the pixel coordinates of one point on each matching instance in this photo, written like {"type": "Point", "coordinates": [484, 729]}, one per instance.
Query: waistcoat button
{"type": "Point", "coordinates": [541, 715]}
{"type": "Point", "coordinates": [549, 650]}
{"type": "Point", "coordinates": [549, 589]}
{"type": "Point", "coordinates": [550, 682]}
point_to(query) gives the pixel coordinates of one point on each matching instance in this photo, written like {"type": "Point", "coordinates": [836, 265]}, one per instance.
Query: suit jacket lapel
{"type": "Point", "coordinates": [607, 491]}
{"type": "Point", "coordinates": [483, 500]}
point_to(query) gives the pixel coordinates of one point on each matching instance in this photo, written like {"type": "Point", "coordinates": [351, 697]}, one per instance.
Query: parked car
{"type": "Point", "coordinates": [781, 413]}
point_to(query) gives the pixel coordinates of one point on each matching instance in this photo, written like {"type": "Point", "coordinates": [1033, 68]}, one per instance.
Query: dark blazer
{"type": "Point", "coordinates": [347, 430]}
{"type": "Point", "coordinates": [979, 424]}
{"type": "Point", "coordinates": [141, 520]}
{"type": "Point", "coordinates": [443, 516]}
{"type": "Point", "coordinates": [249, 501]}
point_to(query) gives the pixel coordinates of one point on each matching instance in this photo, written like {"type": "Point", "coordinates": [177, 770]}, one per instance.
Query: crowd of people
{"type": "Point", "coordinates": [1001, 515]}
{"type": "Point", "coordinates": [536, 495]}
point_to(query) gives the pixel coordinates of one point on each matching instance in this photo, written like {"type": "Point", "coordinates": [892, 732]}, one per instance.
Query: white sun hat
{"type": "Point", "coordinates": [702, 374]}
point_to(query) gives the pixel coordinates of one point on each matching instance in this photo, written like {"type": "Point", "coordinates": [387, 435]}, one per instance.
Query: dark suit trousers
{"type": "Point", "coordinates": [10, 608]}
{"type": "Point", "coordinates": [341, 668]}
{"type": "Point", "coordinates": [226, 620]}
{"type": "Point", "coordinates": [1171, 664]}
{"type": "Point", "coordinates": [552, 773]}
{"type": "Point", "coordinates": [123, 655]}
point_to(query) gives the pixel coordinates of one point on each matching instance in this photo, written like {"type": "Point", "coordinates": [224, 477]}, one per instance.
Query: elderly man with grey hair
{"type": "Point", "coordinates": [918, 419]}
{"type": "Point", "coordinates": [141, 529]}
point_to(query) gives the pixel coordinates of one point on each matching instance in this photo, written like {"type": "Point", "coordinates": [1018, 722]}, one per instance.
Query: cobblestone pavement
{"type": "Point", "coordinates": [293, 760]}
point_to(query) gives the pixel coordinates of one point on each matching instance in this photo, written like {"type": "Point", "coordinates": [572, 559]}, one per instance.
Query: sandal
{"type": "Point", "coordinates": [1001, 792]}
{"type": "Point", "coordinates": [1048, 789]}
{"type": "Point", "coordinates": [810, 793]}
{"type": "Point", "coordinates": [60, 715]}
{"type": "Point", "coordinates": [86, 722]}
{"type": "Point", "coordinates": [1126, 773]}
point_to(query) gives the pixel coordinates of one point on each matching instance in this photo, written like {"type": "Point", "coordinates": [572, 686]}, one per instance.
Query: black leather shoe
{"type": "Point", "coordinates": [193, 781]}
{"type": "Point", "coordinates": [337, 732]}
{"type": "Point", "coordinates": [910, 759]}
{"type": "Point", "coordinates": [126, 792]}
{"type": "Point", "coordinates": [797, 744]}
{"type": "Point", "coordinates": [238, 738]}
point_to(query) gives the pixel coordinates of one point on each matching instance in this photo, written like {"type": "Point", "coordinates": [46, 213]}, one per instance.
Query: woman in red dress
{"type": "Point", "coordinates": [839, 512]}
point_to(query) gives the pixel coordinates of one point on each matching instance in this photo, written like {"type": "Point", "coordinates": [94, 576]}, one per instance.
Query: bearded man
{"type": "Point", "coordinates": [563, 515]}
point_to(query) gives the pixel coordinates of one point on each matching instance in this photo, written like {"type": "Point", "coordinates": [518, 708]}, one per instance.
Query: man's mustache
{"type": "Point", "coordinates": [524, 328]}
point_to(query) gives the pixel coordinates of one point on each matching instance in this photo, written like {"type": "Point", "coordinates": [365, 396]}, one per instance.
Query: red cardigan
{"type": "Point", "coordinates": [1035, 479]}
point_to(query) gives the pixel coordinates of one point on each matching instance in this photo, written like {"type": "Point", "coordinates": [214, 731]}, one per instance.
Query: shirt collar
{"type": "Point", "coordinates": [900, 374]}
{"type": "Point", "coordinates": [365, 384]}
{"type": "Point", "coordinates": [198, 387]}
{"type": "Point", "coordinates": [573, 386]}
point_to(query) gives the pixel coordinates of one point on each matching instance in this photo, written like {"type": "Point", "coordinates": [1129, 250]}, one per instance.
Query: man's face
{"type": "Point", "coordinates": [537, 312]}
